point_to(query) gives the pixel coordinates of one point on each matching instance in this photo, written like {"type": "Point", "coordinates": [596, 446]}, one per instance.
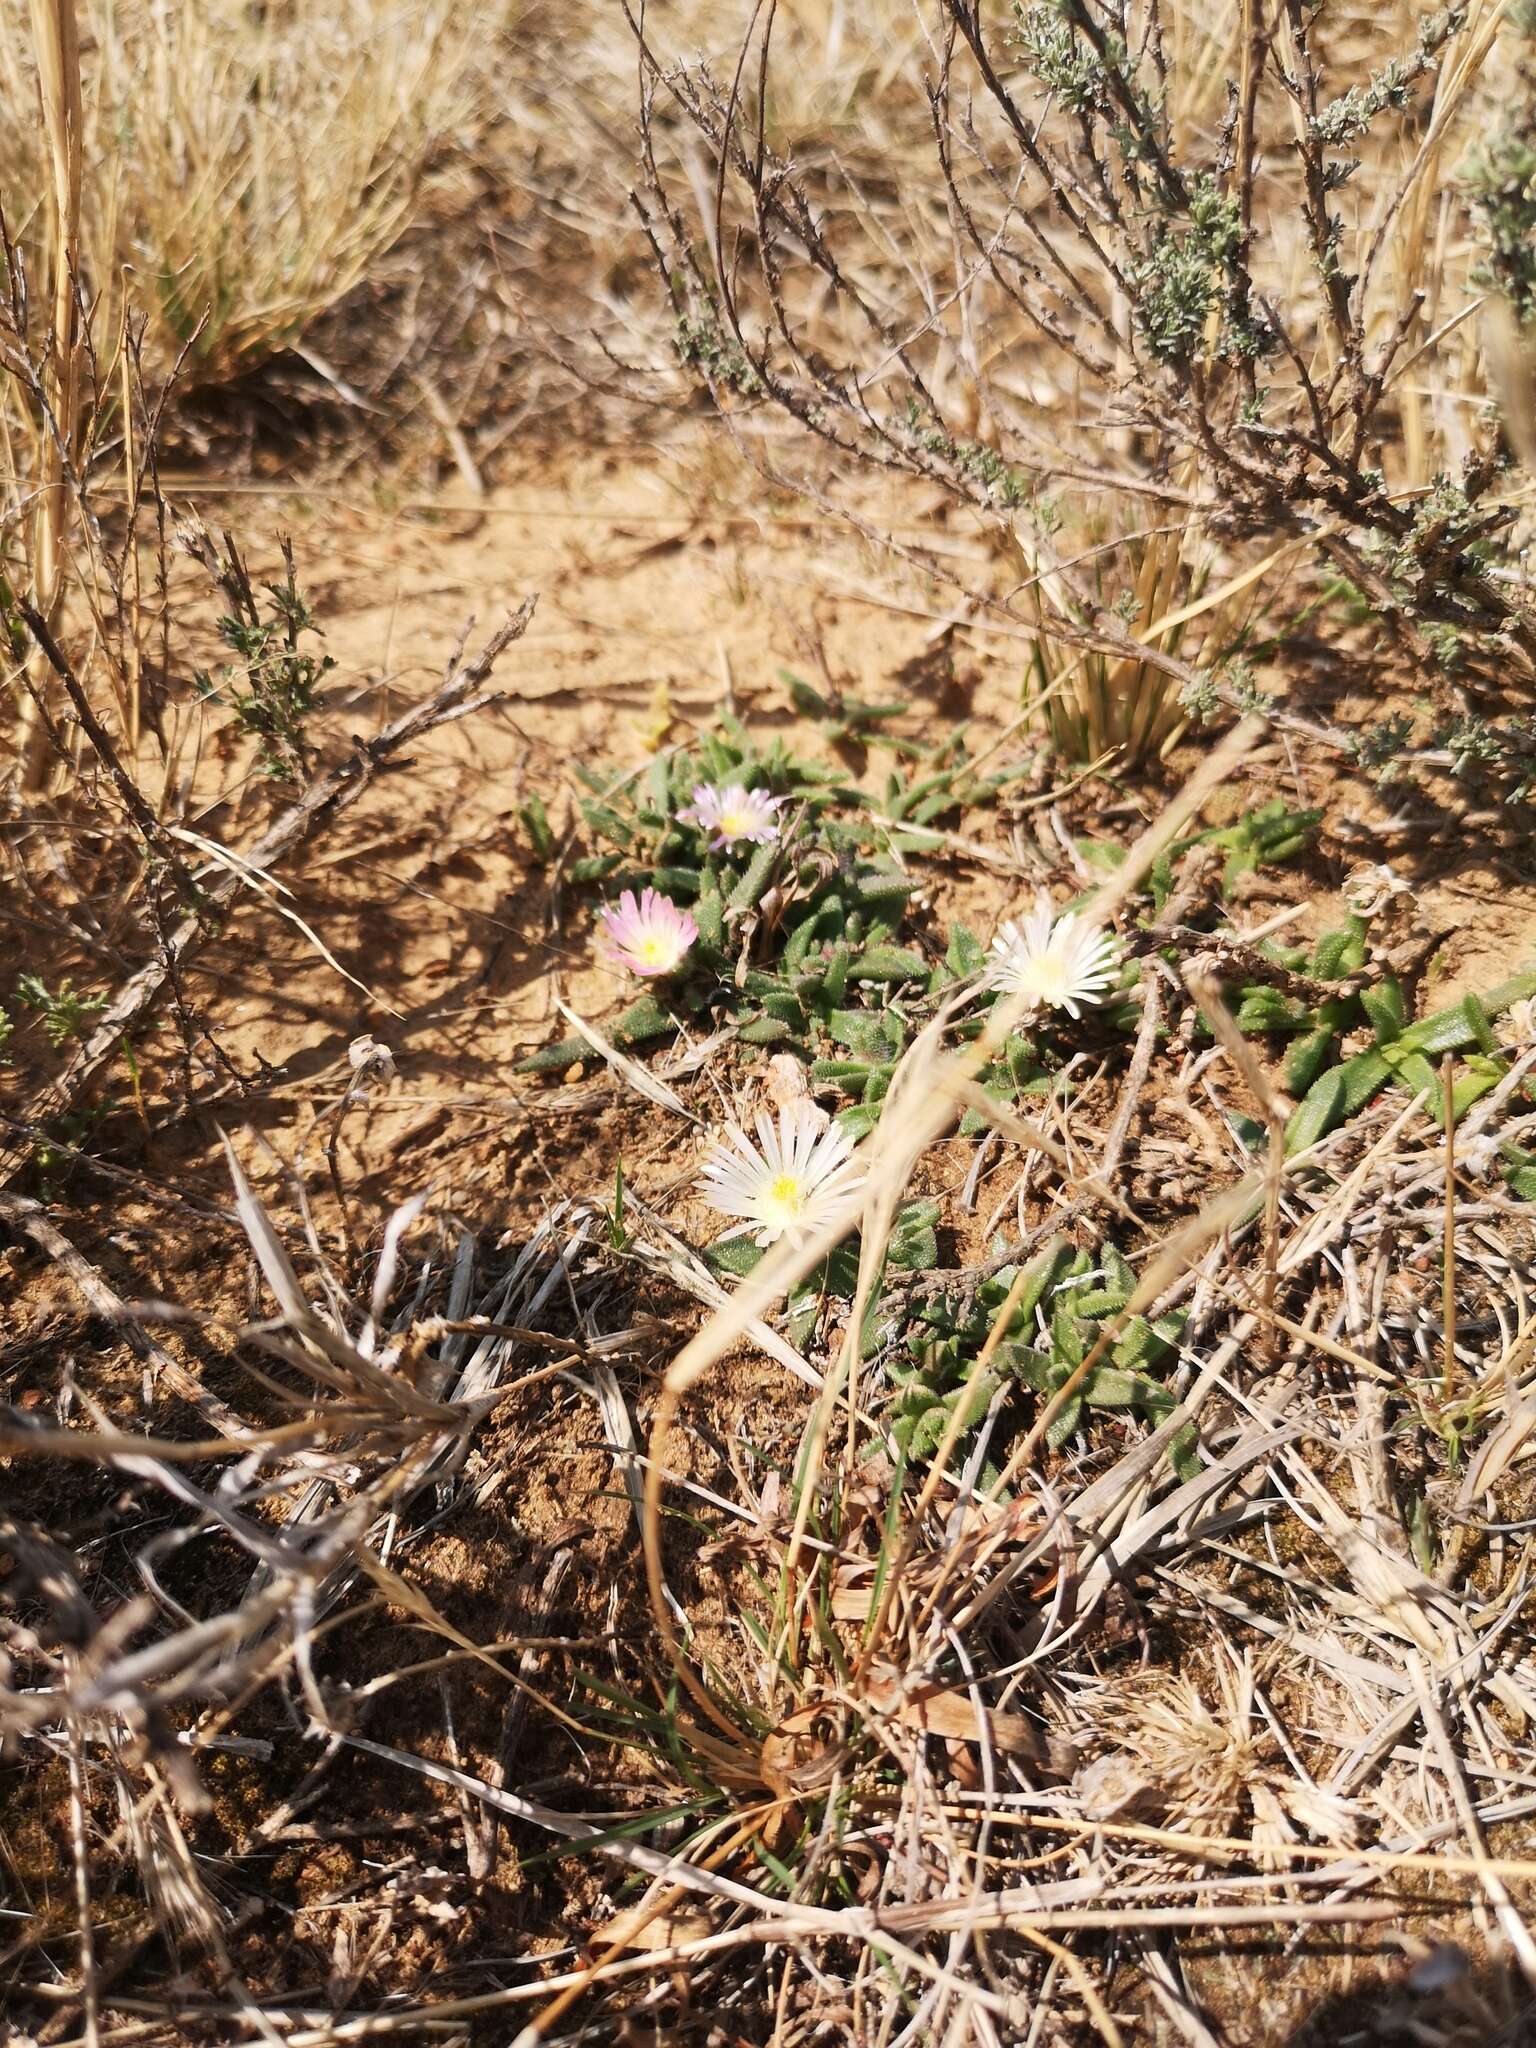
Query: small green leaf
{"type": "Point", "coordinates": [1184, 1454]}
{"type": "Point", "coordinates": [1037, 1369]}
{"type": "Point", "coordinates": [1322, 1109]}
{"type": "Point", "coordinates": [536, 824]}
{"type": "Point", "coordinates": [709, 916]}
{"type": "Point", "coordinates": [1042, 1274]}
{"type": "Point", "coordinates": [554, 1059]}
{"type": "Point", "coordinates": [1477, 1017]}
{"type": "Point", "coordinates": [1464, 1023]}
{"type": "Point", "coordinates": [859, 1119]}
{"type": "Point", "coordinates": [1019, 1059]}
{"type": "Point", "coordinates": [1476, 1075]}
{"type": "Point", "coordinates": [914, 1245]}
{"type": "Point", "coordinates": [1065, 1423]}
{"type": "Point", "coordinates": [798, 945]}
{"type": "Point", "coordinates": [1520, 1172]}
{"type": "Point", "coordinates": [1119, 1274]}
{"type": "Point", "coordinates": [866, 1033]}
{"type": "Point", "coordinates": [642, 1020]}
{"type": "Point", "coordinates": [1142, 1345]}
{"type": "Point", "coordinates": [1262, 1008]}
{"type": "Point", "coordinates": [1384, 1010]}
{"type": "Point", "coordinates": [1108, 1387]}
{"type": "Point", "coordinates": [733, 1257]}
{"type": "Point", "coordinates": [848, 1074]}
{"type": "Point", "coordinates": [806, 700]}
{"type": "Point", "coordinates": [759, 871]}
{"type": "Point", "coordinates": [1334, 1096]}
{"type": "Point", "coordinates": [765, 1030]}
{"type": "Point", "coordinates": [594, 867]}
{"type": "Point", "coordinates": [1066, 1342]}
{"type": "Point", "coordinates": [680, 883]}
{"type": "Point", "coordinates": [883, 891]}
{"type": "Point", "coordinates": [966, 955]}
{"type": "Point", "coordinates": [837, 1275]}
{"type": "Point", "coordinates": [889, 964]}
{"type": "Point", "coordinates": [1340, 952]}
{"type": "Point", "coordinates": [607, 823]}
{"type": "Point", "coordinates": [1308, 1057]}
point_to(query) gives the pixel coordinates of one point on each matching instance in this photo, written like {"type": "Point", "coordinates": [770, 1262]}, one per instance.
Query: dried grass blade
{"type": "Point", "coordinates": [629, 1070]}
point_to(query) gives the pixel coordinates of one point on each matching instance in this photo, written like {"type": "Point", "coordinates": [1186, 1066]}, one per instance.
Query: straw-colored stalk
{"type": "Point", "coordinates": [1096, 704]}
{"type": "Point", "coordinates": [1417, 243]}
{"type": "Point", "coordinates": [56, 43]}
{"type": "Point", "coordinates": [1206, 52]}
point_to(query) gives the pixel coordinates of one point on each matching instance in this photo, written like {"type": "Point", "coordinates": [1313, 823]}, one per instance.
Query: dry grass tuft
{"type": "Point", "coordinates": [244, 170]}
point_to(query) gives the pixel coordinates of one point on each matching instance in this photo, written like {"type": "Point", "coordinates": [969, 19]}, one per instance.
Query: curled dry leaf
{"type": "Point", "coordinates": [1116, 1787]}
{"type": "Point", "coordinates": [785, 1082]}
{"type": "Point", "coordinates": [954, 1716]}
{"type": "Point", "coordinates": [803, 1752]}
{"type": "Point", "coordinates": [664, 1924]}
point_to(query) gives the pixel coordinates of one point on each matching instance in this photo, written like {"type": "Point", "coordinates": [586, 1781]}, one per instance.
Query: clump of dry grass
{"type": "Point", "coordinates": [1194, 1752]}
{"type": "Point", "coordinates": [244, 170]}
{"type": "Point", "coordinates": [204, 184]}
{"type": "Point", "coordinates": [1128, 707]}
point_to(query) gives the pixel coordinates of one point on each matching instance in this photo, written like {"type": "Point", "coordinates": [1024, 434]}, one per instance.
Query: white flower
{"type": "Point", "coordinates": [1059, 963]}
{"type": "Point", "coordinates": [785, 1188]}
{"type": "Point", "coordinates": [734, 813]}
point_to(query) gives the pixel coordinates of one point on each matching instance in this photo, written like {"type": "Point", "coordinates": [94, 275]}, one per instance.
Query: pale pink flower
{"type": "Point", "coordinates": [734, 814]}
{"type": "Point", "coordinates": [650, 935]}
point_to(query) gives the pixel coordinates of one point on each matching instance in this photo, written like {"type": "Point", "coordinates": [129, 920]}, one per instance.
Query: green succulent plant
{"type": "Point", "coordinates": [1063, 1305]}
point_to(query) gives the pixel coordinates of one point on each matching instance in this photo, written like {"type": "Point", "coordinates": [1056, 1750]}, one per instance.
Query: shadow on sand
{"type": "Point", "coordinates": [1441, 2001]}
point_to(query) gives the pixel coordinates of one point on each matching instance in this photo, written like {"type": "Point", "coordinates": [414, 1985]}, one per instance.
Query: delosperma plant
{"type": "Point", "coordinates": [803, 931]}
{"type": "Point", "coordinates": [789, 915]}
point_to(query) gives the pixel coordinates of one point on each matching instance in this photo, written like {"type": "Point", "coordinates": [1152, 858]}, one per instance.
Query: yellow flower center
{"type": "Point", "coordinates": [1044, 977]}
{"type": "Point", "coordinates": [735, 824]}
{"type": "Point", "coordinates": [782, 1202]}
{"type": "Point", "coordinates": [656, 949]}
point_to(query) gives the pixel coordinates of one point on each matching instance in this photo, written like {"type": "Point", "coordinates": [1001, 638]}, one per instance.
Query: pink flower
{"type": "Point", "coordinates": [734, 813]}
{"type": "Point", "coordinates": [650, 935]}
